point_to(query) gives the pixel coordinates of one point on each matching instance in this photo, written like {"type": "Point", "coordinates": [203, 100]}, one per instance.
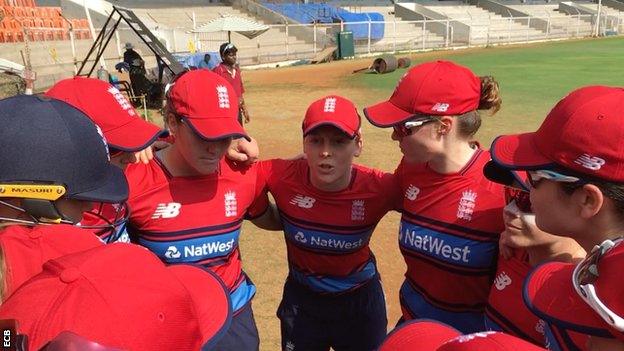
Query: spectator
{"type": "Point", "coordinates": [130, 55]}
{"type": "Point", "coordinates": [205, 63]}
{"type": "Point", "coordinates": [229, 70]}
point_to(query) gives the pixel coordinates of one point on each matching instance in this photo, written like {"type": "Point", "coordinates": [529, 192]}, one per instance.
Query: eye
{"type": "Point", "coordinates": [340, 141]}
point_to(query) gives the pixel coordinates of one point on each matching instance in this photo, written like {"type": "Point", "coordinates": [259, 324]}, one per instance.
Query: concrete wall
{"type": "Point", "coordinates": [614, 4]}
{"type": "Point", "coordinates": [505, 11]}
{"type": "Point", "coordinates": [417, 12]}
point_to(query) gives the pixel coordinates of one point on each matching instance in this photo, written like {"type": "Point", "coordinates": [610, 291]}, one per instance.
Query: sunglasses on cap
{"type": "Point", "coordinates": [585, 275]}
{"type": "Point", "coordinates": [520, 197]}
{"type": "Point", "coordinates": [405, 128]}
{"type": "Point", "coordinates": [535, 177]}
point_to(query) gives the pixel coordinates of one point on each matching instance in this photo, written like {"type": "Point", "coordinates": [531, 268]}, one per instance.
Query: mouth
{"type": "Point", "coordinates": [325, 168]}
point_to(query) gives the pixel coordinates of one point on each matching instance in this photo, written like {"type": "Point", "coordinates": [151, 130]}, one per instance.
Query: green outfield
{"type": "Point", "coordinates": [532, 78]}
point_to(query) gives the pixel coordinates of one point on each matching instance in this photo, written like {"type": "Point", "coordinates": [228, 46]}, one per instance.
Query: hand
{"type": "Point", "coordinates": [241, 150]}
{"type": "Point", "coordinates": [144, 155]}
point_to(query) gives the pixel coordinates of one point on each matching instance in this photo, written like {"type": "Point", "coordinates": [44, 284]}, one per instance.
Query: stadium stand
{"type": "Point", "coordinates": [28, 21]}
{"type": "Point", "coordinates": [559, 24]}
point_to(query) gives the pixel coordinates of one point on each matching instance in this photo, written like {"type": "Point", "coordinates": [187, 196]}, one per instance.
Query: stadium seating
{"type": "Point", "coordinates": [324, 13]}
{"type": "Point", "coordinates": [37, 23]}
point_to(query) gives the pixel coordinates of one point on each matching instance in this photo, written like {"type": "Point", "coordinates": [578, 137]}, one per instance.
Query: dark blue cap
{"type": "Point", "coordinates": [47, 141]}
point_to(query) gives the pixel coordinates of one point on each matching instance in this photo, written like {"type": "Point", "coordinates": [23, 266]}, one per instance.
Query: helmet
{"type": "Point", "coordinates": [52, 150]}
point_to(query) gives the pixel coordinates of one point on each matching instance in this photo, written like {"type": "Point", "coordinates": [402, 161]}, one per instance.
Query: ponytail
{"type": "Point", "coordinates": [470, 122]}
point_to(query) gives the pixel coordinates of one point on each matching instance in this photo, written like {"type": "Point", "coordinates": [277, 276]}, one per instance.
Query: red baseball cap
{"type": "Point", "coordinates": [26, 249]}
{"type": "Point", "coordinates": [583, 132]}
{"type": "Point", "coordinates": [208, 103]}
{"type": "Point", "coordinates": [421, 334]}
{"type": "Point", "coordinates": [550, 294]}
{"type": "Point", "coordinates": [110, 110]}
{"type": "Point", "coordinates": [122, 296]}
{"type": "Point", "coordinates": [440, 88]}
{"type": "Point", "coordinates": [488, 341]}
{"type": "Point", "coordinates": [332, 110]}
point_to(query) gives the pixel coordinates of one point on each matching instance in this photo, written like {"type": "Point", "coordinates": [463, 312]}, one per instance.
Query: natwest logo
{"type": "Point", "coordinates": [172, 252]}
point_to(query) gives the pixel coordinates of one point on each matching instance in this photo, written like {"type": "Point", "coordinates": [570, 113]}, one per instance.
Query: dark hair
{"type": "Point", "coordinates": [470, 122]}
{"type": "Point", "coordinates": [614, 191]}
{"type": "Point", "coordinates": [226, 47]}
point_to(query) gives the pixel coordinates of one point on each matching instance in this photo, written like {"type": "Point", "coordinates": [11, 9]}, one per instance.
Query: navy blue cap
{"type": "Point", "coordinates": [47, 141]}
{"type": "Point", "coordinates": [498, 174]}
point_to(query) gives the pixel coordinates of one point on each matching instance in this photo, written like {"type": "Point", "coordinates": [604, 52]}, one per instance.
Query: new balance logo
{"type": "Point", "coordinates": [223, 96]}
{"type": "Point", "coordinates": [330, 105]}
{"type": "Point", "coordinates": [502, 281]}
{"type": "Point", "coordinates": [303, 201]}
{"type": "Point", "coordinates": [590, 162]}
{"type": "Point", "coordinates": [169, 210]}
{"type": "Point", "coordinates": [172, 252]}
{"type": "Point", "coordinates": [121, 100]}
{"type": "Point", "coordinates": [440, 107]}
{"type": "Point", "coordinates": [412, 192]}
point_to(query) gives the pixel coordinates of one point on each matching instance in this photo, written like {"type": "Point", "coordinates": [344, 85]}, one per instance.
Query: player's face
{"type": "Point", "coordinates": [200, 157]}
{"type": "Point", "coordinates": [330, 154]}
{"type": "Point", "coordinates": [553, 209]}
{"type": "Point", "coordinates": [230, 58]}
{"type": "Point", "coordinates": [521, 231]}
{"type": "Point", "coordinates": [73, 209]}
{"type": "Point", "coordinates": [421, 144]}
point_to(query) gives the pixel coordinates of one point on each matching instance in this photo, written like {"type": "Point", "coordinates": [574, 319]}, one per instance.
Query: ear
{"type": "Point", "coordinates": [445, 125]}
{"type": "Point", "coordinates": [359, 143]}
{"type": "Point", "coordinates": [171, 123]}
{"type": "Point", "coordinates": [589, 199]}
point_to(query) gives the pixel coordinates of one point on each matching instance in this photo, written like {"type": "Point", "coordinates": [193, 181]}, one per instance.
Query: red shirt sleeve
{"type": "Point", "coordinates": [261, 197]}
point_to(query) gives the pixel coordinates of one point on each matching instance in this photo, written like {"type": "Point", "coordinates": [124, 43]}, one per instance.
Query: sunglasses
{"type": "Point", "coordinates": [405, 129]}
{"type": "Point", "coordinates": [520, 197]}
{"type": "Point", "coordinates": [535, 177]}
{"type": "Point", "coordinates": [585, 275]}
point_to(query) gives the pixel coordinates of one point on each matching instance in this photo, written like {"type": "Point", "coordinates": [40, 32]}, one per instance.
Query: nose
{"type": "Point", "coordinates": [395, 136]}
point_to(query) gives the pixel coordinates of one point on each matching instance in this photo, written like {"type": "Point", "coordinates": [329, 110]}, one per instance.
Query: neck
{"type": "Point", "coordinates": [454, 158]}
{"type": "Point", "coordinates": [604, 226]}
{"type": "Point", "coordinates": [562, 250]}
{"type": "Point", "coordinates": [175, 163]}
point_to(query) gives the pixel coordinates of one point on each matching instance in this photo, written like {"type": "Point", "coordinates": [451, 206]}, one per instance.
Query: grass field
{"type": "Point", "coordinates": [532, 79]}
